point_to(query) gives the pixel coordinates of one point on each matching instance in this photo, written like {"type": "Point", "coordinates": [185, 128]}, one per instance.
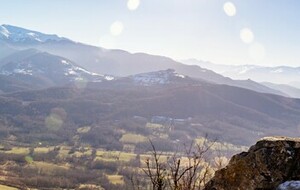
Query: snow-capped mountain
{"type": "Point", "coordinates": [44, 68]}
{"type": "Point", "coordinates": [21, 35]}
{"type": "Point", "coordinates": [117, 62]}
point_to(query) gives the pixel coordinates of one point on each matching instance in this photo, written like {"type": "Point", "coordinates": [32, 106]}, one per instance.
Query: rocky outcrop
{"type": "Point", "coordinates": [269, 163]}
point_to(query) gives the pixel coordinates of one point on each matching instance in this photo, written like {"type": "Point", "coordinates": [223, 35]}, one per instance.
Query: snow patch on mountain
{"type": "Point", "coordinates": [65, 62]}
{"type": "Point", "coordinates": [78, 71]}
{"type": "Point", "coordinates": [52, 67]}
{"type": "Point", "coordinates": [23, 71]}
{"type": "Point", "coordinates": [17, 34]}
{"type": "Point", "coordinates": [153, 78]}
{"type": "Point", "coordinates": [4, 32]}
{"type": "Point", "coordinates": [244, 69]}
{"type": "Point", "coordinates": [109, 78]}
{"type": "Point", "coordinates": [280, 70]}
{"type": "Point", "coordinates": [180, 76]}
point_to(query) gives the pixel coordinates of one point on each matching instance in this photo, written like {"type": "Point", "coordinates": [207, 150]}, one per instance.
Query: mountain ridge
{"type": "Point", "coordinates": [122, 63]}
{"type": "Point", "coordinates": [222, 110]}
{"type": "Point", "coordinates": [278, 74]}
{"type": "Point", "coordinates": [42, 69]}
{"type": "Point", "coordinates": [21, 35]}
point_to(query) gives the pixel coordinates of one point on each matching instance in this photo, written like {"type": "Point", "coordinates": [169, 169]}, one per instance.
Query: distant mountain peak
{"type": "Point", "coordinates": [38, 64]}
{"type": "Point", "coordinates": [157, 77]}
{"type": "Point", "coordinates": [21, 35]}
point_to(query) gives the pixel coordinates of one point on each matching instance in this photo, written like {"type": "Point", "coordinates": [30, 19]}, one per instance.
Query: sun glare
{"type": "Point", "coordinates": [246, 35]}
{"type": "Point", "coordinates": [133, 4]}
{"type": "Point", "coordinates": [229, 9]}
{"type": "Point", "coordinates": [116, 28]}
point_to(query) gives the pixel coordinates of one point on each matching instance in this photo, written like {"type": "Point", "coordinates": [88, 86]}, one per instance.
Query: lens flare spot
{"type": "Point", "coordinates": [56, 118]}
{"type": "Point", "coordinates": [257, 52]}
{"type": "Point", "coordinates": [81, 84]}
{"type": "Point", "coordinates": [229, 9]}
{"type": "Point", "coordinates": [133, 4]}
{"type": "Point", "coordinates": [246, 35]}
{"type": "Point", "coordinates": [116, 28]}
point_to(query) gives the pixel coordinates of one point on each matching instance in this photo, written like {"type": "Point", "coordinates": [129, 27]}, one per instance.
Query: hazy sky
{"type": "Point", "coordinates": [263, 32]}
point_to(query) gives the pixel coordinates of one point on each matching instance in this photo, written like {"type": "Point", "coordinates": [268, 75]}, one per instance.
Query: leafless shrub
{"type": "Point", "coordinates": [188, 170]}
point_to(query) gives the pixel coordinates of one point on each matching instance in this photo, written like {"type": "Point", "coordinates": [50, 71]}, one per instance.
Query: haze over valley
{"type": "Point", "coordinates": [139, 107]}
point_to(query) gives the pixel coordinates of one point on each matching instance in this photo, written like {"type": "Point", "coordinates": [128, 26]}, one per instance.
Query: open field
{"type": "Point", "coordinates": [154, 126]}
{"type": "Point", "coordinates": [3, 187]}
{"type": "Point", "coordinates": [114, 156]}
{"type": "Point", "coordinates": [133, 138]}
{"type": "Point", "coordinates": [18, 150]}
{"type": "Point", "coordinates": [83, 129]}
{"type": "Point", "coordinates": [79, 163]}
{"type": "Point", "coordinates": [43, 149]}
{"type": "Point", "coordinates": [115, 179]}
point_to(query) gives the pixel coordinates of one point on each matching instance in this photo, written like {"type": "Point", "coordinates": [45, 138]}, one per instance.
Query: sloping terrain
{"type": "Point", "coordinates": [278, 74]}
{"type": "Point", "coordinates": [113, 62]}
{"type": "Point", "coordinates": [41, 70]}
{"type": "Point", "coordinates": [287, 89]}
{"type": "Point", "coordinates": [232, 114]}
